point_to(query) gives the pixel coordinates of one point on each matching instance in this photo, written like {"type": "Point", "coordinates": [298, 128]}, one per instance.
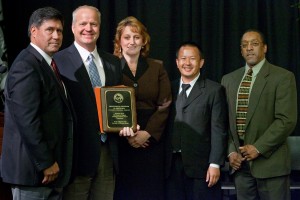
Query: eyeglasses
{"type": "Point", "coordinates": [252, 43]}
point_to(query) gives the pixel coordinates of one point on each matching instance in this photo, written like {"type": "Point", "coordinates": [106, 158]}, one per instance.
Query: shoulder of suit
{"type": "Point", "coordinates": [152, 61]}
{"type": "Point", "coordinates": [211, 83]}
{"type": "Point", "coordinates": [71, 49]}
{"type": "Point", "coordinates": [234, 73]}
{"type": "Point", "coordinates": [278, 69]}
{"type": "Point", "coordinates": [105, 55]}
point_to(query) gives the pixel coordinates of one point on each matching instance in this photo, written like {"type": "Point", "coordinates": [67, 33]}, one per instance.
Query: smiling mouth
{"type": "Point", "coordinates": [187, 68]}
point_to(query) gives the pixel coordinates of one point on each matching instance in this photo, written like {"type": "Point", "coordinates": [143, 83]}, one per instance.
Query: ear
{"type": "Point", "coordinates": [265, 48]}
{"type": "Point", "coordinates": [72, 29]}
{"type": "Point", "coordinates": [177, 63]}
{"type": "Point", "coordinates": [33, 30]}
{"type": "Point", "coordinates": [201, 63]}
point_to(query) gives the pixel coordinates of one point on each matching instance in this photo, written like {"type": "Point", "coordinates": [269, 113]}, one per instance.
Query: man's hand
{"type": "Point", "coordinates": [249, 152]}
{"type": "Point", "coordinates": [212, 176]}
{"type": "Point", "coordinates": [140, 139]}
{"type": "Point", "coordinates": [51, 173]}
{"type": "Point", "coordinates": [235, 160]}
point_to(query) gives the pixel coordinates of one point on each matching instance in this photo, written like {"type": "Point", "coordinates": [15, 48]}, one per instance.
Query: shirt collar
{"type": "Point", "coordinates": [192, 83]}
{"type": "Point", "coordinates": [85, 53]}
{"type": "Point", "coordinates": [256, 68]}
{"type": "Point", "coordinates": [45, 55]}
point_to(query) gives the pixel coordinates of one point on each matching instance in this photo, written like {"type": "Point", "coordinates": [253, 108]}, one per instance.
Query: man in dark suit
{"type": "Point", "coordinates": [258, 152]}
{"type": "Point", "coordinates": [38, 130]}
{"type": "Point", "coordinates": [197, 137]}
{"type": "Point", "coordinates": [95, 161]}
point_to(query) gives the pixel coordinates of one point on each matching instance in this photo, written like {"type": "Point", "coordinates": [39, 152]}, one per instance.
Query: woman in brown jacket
{"type": "Point", "coordinates": [141, 156]}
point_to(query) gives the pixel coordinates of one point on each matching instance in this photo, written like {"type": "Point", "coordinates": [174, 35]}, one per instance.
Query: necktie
{"type": "Point", "coordinates": [93, 72]}
{"type": "Point", "coordinates": [179, 122]}
{"type": "Point", "coordinates": [56, 72]}
{"type": "Point", "coordinates": [96, 81]}
{"type": "Point", "coordinates": [182, 97]}
{"type": "Point", "coordinates": [242, 103]}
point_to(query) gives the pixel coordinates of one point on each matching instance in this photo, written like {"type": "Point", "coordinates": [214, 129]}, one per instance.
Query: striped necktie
{"type": "Point", "coordinates": [242, 103]}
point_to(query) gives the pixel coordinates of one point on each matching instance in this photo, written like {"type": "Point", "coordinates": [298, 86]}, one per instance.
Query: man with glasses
{"type": "Point", "coordinates": [262, 103]}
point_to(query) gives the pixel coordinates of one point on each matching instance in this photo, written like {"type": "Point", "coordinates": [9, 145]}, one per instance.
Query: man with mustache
{"type": "Point", "coordinates": [261, 117]}
{"type": "Point", "coordinates": [38, 131]}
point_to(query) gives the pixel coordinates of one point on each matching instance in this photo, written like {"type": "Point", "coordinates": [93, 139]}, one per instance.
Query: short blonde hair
{"type": "Point", "coordinates": [74, 14]}
{"type": "Point", "coordinates": [136, 26]}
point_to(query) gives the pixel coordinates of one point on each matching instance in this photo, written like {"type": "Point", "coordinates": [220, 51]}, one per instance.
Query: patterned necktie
{"type": "Point", "coordinates": [180, 102]}
{"type": "Point", "coordinates": [96, 81]}
{"type": "Point", "coordinates": [242, 103]}
{"type": "Point", "coordinates": [93, 72]}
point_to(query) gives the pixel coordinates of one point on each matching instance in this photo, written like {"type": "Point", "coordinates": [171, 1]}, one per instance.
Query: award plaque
{"type": "Point", "coordinates": [116, 108]}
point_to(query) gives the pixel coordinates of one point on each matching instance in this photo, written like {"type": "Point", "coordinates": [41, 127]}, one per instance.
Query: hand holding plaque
{"type": "Point", "coordinates": [116, 108]}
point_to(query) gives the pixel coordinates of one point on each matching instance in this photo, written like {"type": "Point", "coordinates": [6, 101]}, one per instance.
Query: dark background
{"type": "Point", "coordinates": [216, 25]}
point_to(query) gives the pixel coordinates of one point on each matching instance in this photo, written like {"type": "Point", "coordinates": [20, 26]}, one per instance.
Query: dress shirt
{"type": "Point", "coordinates": [255, 70]}
{"type": "Point", "coordinates": [84, 56]}
{"type": "Point", "coordinates": [45, 56]}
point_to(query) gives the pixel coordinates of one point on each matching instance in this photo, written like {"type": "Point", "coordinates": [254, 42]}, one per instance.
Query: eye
{"type": "Point", "coordinates": [49, 30]}
{"type": "Point", "coordinates": [244, 45]}
{"type": "Point", "coordinates": [94, 24]}
{"type": "Point", "coordinates": [59, 30]}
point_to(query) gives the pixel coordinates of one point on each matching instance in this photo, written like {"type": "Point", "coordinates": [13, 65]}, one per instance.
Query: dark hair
{"type": "Point", "coordinates": [38, 17]}
{"type": "Point", "coordinates": [262, 36]}
{"type": "Point", "coordinates": [190, 44]}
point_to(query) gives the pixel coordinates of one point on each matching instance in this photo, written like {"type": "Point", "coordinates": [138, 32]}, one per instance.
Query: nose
{"type": "Point", "coordinates": [187, 61]}
{"type": "Point", "coordinates": [132, 40]}
{"type": "Point", "coordinates": [249, 46]}
{"type": "Point", "coordinates": [56, 34]}
{"type": "Point", "coordinates": [88, 27]}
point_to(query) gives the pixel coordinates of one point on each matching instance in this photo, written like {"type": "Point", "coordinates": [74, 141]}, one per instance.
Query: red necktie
{"type": "Point", "coordinates": [56, 72]}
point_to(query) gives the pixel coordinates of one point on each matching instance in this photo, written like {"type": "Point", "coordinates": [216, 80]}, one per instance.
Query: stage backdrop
{"type": "Point", "coordinates": [216, 25]}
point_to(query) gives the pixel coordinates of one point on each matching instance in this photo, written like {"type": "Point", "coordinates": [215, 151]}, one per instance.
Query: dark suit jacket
{"type": "Point", "coordinates": [204, 133]}
{"type": "Point", "coordinates": [38, 127]}
{"type": "Point", "coordinates": [76, 79]}
{"type": "Point", "coordinates": [272, 116]}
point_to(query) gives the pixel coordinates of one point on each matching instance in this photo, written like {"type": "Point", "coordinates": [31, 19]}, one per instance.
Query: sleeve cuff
{"type": "Point", "coordinates": [214, 165]}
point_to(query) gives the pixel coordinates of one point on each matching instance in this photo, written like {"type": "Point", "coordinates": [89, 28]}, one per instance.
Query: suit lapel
{"type": "Point", "coordinates": [236, 80]}
{"type": "Point", "coordinates": [256, 91]}
{"type": "Point", "coordinates": [80, 71]}
{"type": "Point", "coordinates": [196, 91]}
{"type": "Point", "coordinates": [47, 68]}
